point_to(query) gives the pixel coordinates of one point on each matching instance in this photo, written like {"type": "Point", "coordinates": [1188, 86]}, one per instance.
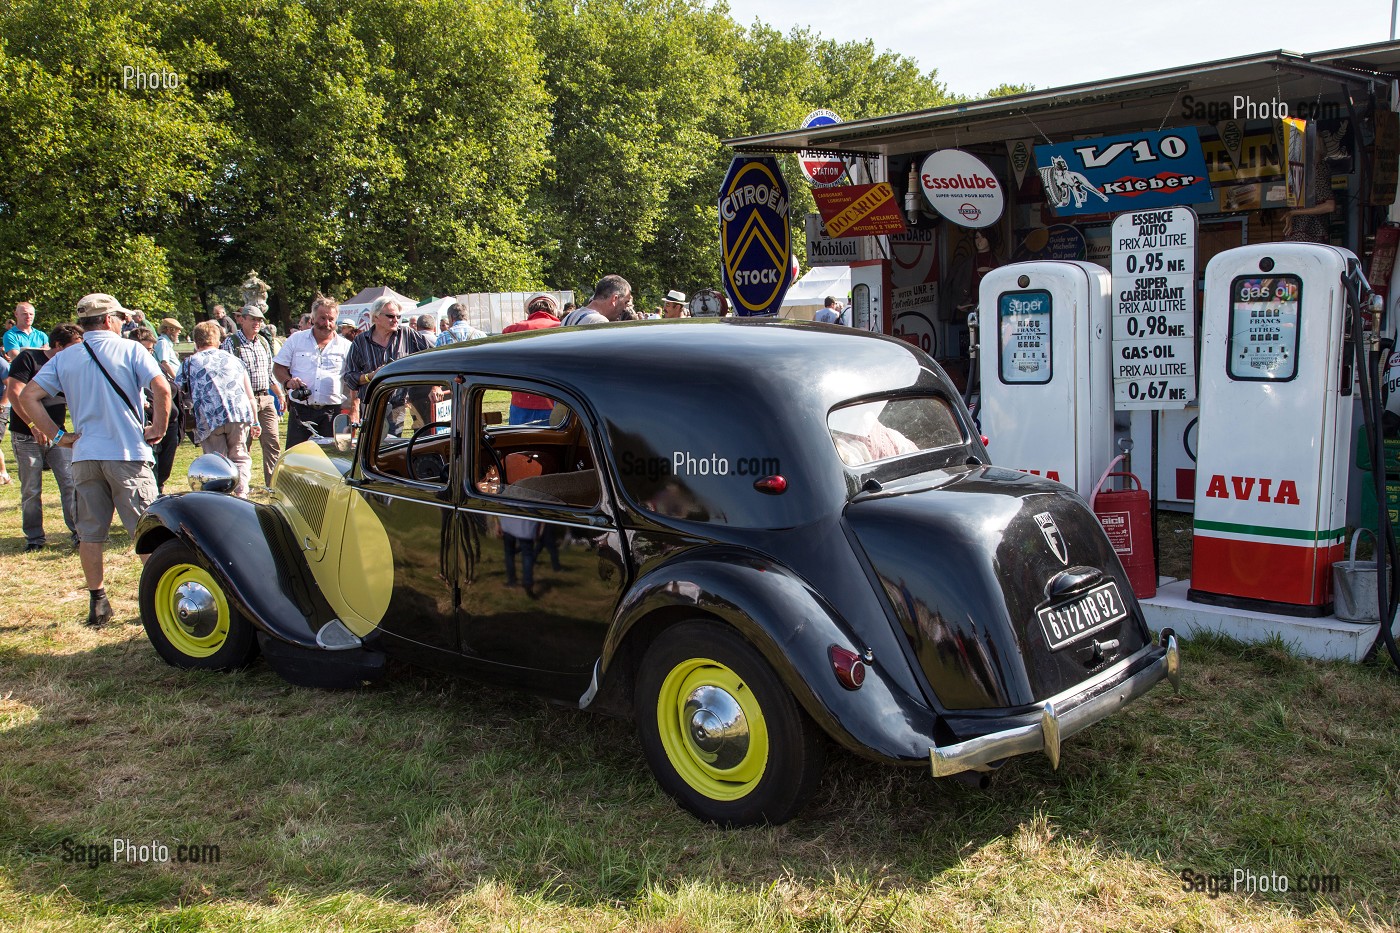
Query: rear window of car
{"type": "Point", "coordinates": [882, 429]}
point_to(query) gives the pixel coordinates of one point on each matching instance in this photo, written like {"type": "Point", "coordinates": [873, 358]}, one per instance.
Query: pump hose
{"type": "Point", "coordinates": [1387, 555]}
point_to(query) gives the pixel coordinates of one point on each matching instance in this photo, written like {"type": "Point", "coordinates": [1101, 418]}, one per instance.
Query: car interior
{"type": "Point", "coordinates": [550, 462]}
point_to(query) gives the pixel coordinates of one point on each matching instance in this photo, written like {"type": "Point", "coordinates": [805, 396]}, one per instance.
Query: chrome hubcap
{"type": "Point", "coordinates": [717, 727]}
{"type": "Point", "coordinates": [196, 609]}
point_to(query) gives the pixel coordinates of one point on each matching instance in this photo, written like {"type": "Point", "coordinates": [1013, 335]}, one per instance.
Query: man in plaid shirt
{"type": "Point", "coordinates": [255, 351]}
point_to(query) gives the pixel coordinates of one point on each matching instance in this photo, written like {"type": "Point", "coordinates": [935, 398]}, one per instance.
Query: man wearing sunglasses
{"type": "Point", "coordinates": [383, 342]}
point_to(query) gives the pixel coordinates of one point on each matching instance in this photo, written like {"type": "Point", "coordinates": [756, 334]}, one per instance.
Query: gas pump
{"type": "Point", "coordinates": [1276, 389]}
{"type": "Point", "coordinates": [1046, 383]}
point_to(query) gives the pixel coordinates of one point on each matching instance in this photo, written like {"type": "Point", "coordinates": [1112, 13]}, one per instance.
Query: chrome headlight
{"type": "Point", "coordinates": [213, 473]}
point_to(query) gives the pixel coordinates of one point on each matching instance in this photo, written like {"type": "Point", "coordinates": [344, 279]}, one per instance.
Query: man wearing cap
{"type": "Point", "coordinates": [459, 330]}
{"type": "Point", "coordinates": [23, 335]}
{"type": "Point", "coordinates": [310, 365]}
{"type": "Point", "coordinates": [524, 407]}
{"type": "Point", "coordinates": [674, 305]}
{"type": "Point", "coordinates": [102, 378]}
{"type": "Point", "coordinates": [255, 350]}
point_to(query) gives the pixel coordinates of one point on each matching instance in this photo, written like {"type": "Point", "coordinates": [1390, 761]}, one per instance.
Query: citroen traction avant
{"type": "Point", "coordinates": [751, 537]}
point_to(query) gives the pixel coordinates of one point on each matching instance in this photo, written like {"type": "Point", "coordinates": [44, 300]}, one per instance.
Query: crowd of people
{"type": "Point", "coordinates": [131, 399]}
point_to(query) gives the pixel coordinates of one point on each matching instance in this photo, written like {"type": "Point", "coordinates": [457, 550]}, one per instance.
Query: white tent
{"type": "Point", "coordinates": [807, 294]}
{"type": "Point", "coordinates": [437, 308]}
{"type": "Point", "coordinates": [365, 299]}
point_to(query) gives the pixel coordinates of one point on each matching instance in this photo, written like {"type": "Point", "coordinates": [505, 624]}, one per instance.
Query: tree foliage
{"type": "Point", "coordinates": [437, 146]}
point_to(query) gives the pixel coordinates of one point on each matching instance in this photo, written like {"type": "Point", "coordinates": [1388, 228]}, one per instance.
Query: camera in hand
{"type": "Point", "coordinates": [301, 396]}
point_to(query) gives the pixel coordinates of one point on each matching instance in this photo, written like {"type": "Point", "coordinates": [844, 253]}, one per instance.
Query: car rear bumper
{"type": "Point", "coordinates": [1063, 715]}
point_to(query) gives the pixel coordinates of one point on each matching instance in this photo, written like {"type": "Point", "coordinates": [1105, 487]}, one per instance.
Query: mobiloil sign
{"type": "Point", "coordinates": [1132, 172]}
{"type": "Point", "coordinates": [755, 235]}
{"type": "Point", "coordinates": [1271, 473]}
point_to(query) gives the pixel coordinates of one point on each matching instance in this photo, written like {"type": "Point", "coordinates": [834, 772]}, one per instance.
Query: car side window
{"type": "Point", "coordinates": [409, 432]}
{"type": "Point", "coordinates": [531, 447]}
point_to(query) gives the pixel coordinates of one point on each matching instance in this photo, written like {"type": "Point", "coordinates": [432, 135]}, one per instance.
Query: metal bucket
{"type": "Point", "coordinates": [1354, 585]}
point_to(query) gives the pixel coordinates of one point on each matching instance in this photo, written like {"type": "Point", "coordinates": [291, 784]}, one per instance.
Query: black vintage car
{"type": "Point", "coordinates": [748, 536]}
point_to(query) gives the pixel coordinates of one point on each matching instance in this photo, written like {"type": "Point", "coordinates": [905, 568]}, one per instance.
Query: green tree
{"type": "Point", "coordinates": [640, 90]}
{"type": "Point", "coordinates": [99, 167]}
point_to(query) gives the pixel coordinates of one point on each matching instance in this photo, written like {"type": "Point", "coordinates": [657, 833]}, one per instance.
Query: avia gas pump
{"type": "Point", "coordinates": [1046, 380]}
{"type": "Point", "coordinates": [1276, 400]}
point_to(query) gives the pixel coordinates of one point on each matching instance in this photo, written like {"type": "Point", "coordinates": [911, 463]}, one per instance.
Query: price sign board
{"type": "Point", "coordinates": [1154, 308]}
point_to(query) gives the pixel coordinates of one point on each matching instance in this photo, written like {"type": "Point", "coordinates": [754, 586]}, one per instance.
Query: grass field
{"type": "Point", "coordinates": [432, 804]}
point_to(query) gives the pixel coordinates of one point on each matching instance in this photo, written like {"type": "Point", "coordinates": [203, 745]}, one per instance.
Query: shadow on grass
{"type": "Point", "coordinates": [425, 787]}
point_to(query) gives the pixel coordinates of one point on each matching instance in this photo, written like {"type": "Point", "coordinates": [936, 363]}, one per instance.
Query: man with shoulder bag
{"type": "Point", "coordinates": [102, 379]}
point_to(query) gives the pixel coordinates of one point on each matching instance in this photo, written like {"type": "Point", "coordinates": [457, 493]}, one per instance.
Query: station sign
{"type": "Point", "coordinates": [755, 235]}
{"type": "Point", "coordinates": [961, 188]}
{"type": "Point", "coordinates": [822, 170]}
{"type": "Point", "coordinates": [1131, 172]}
{"type": "Point", "coordinates": [1154, 308]}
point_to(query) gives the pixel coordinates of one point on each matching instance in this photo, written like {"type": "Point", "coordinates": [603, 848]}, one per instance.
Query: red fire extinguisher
{"type": "Point", "coordinates": [1127, 520]}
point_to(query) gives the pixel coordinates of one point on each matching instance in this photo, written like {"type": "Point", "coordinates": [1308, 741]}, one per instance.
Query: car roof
{"type": "Point", "coordinates": [747, 358]}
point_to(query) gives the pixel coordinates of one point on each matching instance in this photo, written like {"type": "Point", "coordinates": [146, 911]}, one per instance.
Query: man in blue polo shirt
{"type": "Point", "coordinates": [24, 335]}
{"type": "Point", "coordinates": [102, 378]}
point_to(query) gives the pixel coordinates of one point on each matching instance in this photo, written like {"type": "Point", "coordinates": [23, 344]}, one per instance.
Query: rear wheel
{"type": "Point", "coordinates": [721, 733]}
{"type": "Point", "coordinates": [187, 615]}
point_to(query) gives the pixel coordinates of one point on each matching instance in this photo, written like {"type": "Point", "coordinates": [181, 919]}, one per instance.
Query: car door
{"type": "Point", "coordinates": [544, 565]}
{"type": "Point", "coordinates": [400, 554]}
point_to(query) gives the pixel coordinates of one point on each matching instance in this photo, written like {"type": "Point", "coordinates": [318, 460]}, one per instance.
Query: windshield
{"type": "Point", "coordinates": [879, 430]}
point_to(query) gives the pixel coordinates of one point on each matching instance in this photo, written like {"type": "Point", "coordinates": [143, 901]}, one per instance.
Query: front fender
{"type": "Point", "coordinates": [251, 551]}
{"type": "Point", "coordinates": [793, 626]}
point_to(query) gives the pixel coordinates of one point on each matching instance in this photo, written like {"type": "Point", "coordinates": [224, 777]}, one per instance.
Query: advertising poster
{"type": "Point", "coordinates": [1134, 171]}
{"type": "Point", "coordinates": [859, 210]}
{"type": "Point", "coordinates": [961, 188]}
{"type": "Point", "coordinates": [755, 235]}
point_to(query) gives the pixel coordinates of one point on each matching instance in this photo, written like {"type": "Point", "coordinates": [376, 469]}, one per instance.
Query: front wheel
{"type": "Point", "coordinates": [721, 732]}
{"type": "Point", "coordinates": [187, 615]}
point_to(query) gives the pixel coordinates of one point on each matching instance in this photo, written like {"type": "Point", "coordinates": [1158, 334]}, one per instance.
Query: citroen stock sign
{"type": "Point", "coordinates": [755, 235]}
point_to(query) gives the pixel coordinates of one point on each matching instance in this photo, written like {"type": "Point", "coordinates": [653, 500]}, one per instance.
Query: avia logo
{"type": "Point", "coordinates": [1046, 521]}
{"type": "Point", "coordinates": [1244, 487]}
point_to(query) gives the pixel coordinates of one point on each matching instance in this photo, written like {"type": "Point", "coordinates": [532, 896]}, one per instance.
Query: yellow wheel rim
{"type": "Point", "coordinates": [712, 729]}
{"type": "Point", "coordinates": [192, 611]}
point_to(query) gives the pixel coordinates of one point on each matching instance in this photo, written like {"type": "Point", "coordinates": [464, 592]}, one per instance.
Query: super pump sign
{"type": "Point", "coordinates": [1132, 172]}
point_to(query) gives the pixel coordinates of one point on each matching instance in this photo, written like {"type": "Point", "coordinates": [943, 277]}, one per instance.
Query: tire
{"type": "Point", "coordinates": [766, 771]}
{"type": "Point", "coordinates": [213, 636]}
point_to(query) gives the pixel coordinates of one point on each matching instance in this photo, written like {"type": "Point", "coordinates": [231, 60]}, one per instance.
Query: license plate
{"type": "Point", "coordinates": [1097, 609]}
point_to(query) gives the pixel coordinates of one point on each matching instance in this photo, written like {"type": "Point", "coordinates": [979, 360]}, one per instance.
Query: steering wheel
{"type": "Point", "coordinates": [488, 442]}
{"type": "Point", "coordinates": [417, 436]}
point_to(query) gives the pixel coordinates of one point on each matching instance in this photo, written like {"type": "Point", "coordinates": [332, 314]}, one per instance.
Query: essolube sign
{"type": "Point", "coordinates": [755, 235]}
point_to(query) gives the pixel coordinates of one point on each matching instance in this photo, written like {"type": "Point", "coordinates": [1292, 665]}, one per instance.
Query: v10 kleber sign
{"type": "Point", "coordinates": [1132, 172]}
{"type": "Point", "coordinates": [755, 235]}
{"type": "Point", "coordinates": [961, 188]}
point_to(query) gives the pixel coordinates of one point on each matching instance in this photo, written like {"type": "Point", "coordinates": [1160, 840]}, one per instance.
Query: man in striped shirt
{"type": "Point", "coordinates": [255, 351]}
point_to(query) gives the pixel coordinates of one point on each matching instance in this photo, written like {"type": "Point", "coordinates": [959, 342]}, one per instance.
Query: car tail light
{"type": "Point", "coordinates": [774, 485]}
{"type": "Point", "coordinates": [849, 668]}
{"type": "Point", "coordinates": [985, 440]}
